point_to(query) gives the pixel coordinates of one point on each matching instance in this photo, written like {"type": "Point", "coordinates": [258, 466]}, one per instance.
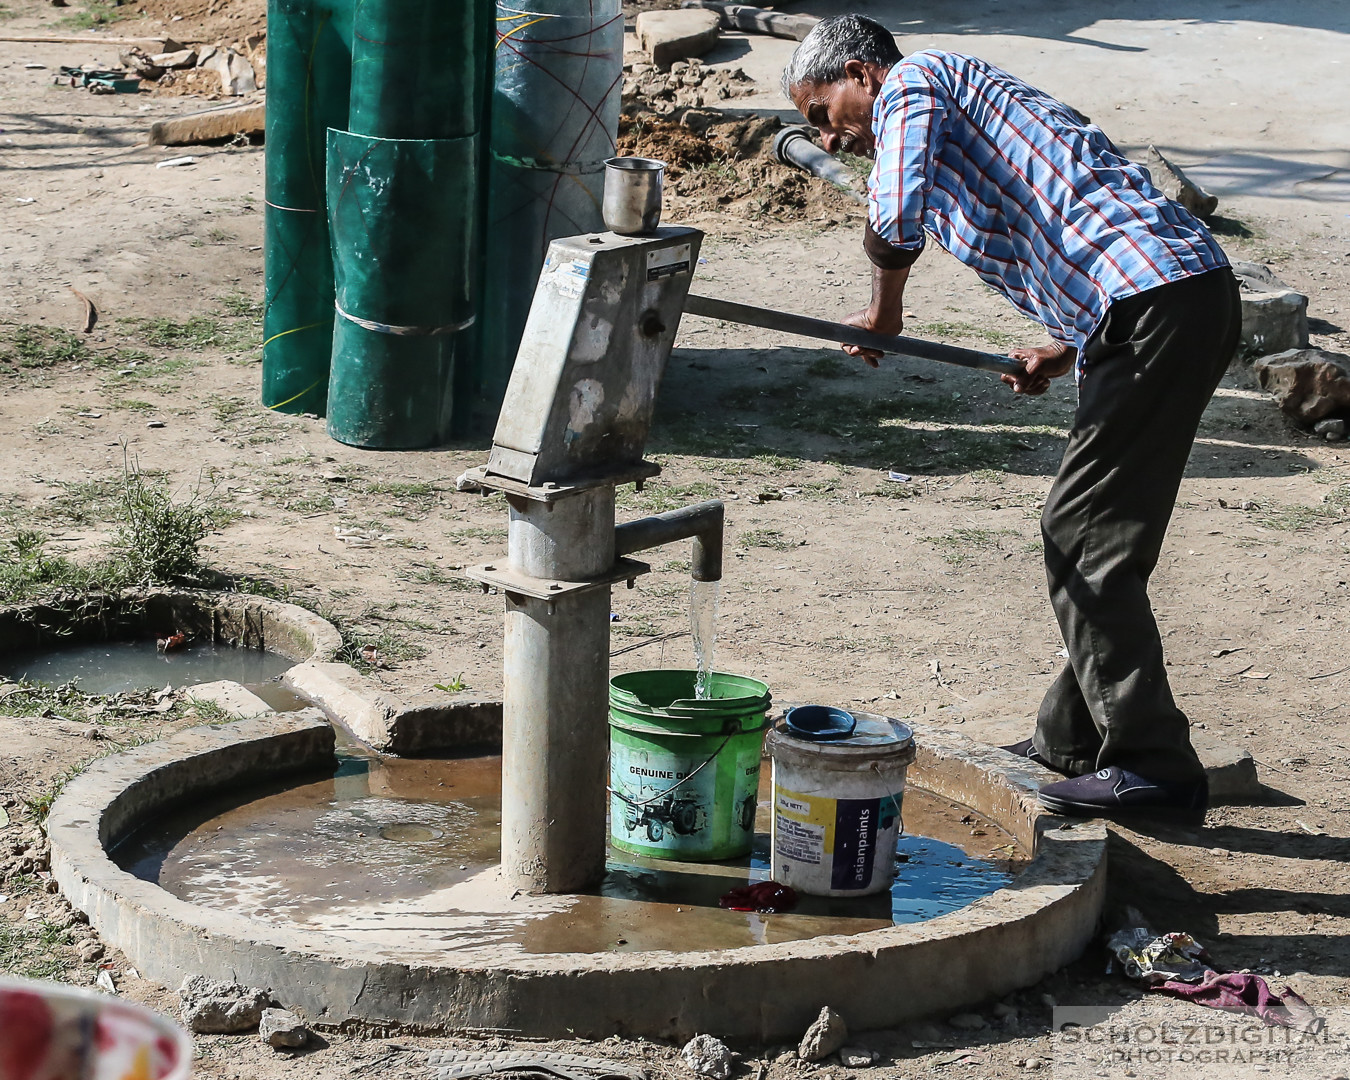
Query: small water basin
{"type": "Point", "coordinates": [114, 667]}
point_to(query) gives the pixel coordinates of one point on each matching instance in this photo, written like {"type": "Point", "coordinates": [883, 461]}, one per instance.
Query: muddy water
{"type": "Point", "coordinates": [400, 855]}
{"type": "Point", "coordinates": [112, 667]}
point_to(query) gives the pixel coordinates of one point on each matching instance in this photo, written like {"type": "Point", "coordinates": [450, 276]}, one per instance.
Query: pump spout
{"type": "Point", "coordinates": [702, 521]}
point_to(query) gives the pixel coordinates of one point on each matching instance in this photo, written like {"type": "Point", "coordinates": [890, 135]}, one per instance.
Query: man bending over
{"type": "Point", "coordinates": [1139, 304]}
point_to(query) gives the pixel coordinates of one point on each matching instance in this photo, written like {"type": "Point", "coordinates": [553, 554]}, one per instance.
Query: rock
{"type": "Point", "coordinates": [281, 1029]}
{"type": "Point", "coordinates": [968, 1021]}
{"type": "Point", "coordinates": [707, 1057]}
{"type": "Point", "coordinates": [91, 951]}
{"type": "Point", "coordinates": [236, 73]}
{"type": "Point", "coordinates": [220, 1008]}
{"type": "Point", "coordinates": [670, 36]}
{"type": "Point", "coordinates": [234, 698]}
{"type": "Point", "coordinates": [1333, 430]}
{"type": "Point", "coordinates": [857, 1057]}
{"type": "Point", "coordinates": [1033, 1063]}
{"type": "Point", "coordinates": [1274, 316]}
{"type": "Point", "coordinates": [1309, 384]}
{"type": "Point", "coordinates": [826, 1034]}
{"type": "Point", "coordinates": [1178, 187]}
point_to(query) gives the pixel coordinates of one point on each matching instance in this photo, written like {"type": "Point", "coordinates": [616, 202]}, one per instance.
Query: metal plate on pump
{"type": "Point", "coordinates": [603, 321]}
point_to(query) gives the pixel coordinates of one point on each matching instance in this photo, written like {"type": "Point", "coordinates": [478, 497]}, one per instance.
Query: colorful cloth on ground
{"type": "Point", "coordinates": [1023, 190]}
{"type": "Point", "coordinates": [1244, 992]}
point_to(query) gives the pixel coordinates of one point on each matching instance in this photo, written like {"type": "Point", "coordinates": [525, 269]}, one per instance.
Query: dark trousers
{"type": "Point", "coordinates": [1152, 366]}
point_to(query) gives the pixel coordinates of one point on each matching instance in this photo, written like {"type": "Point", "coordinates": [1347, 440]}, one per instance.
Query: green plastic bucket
{"type": "Point", "coordinates": [684, 772]}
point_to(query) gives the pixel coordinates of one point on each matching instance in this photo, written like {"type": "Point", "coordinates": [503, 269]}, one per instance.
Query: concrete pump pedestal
{"type": "Point", "coordinates": [1003, 941]}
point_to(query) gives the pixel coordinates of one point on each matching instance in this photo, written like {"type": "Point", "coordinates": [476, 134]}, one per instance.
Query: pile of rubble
{"type": "Point", "coordinates": [687, 85]}
{"type": "Point", "coordinates": [207, 69]}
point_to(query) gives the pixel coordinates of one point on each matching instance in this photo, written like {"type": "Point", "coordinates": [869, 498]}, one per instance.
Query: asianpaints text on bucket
{"type": "Point", "coordinates": [837, 805]}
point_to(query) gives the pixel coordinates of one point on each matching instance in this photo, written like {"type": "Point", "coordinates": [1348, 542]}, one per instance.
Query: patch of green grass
{"type": "Point", "coordinates": [657, 497]}
{"type": "Point", "coordinates": [768, 538]}
{"type": "Point", "coordinates": [480, 532]}
{"type": "Point", "coordinates": [227, 409]}
{"type": "Point", "coordinates": [217, 235]}
{"type": "Point", "coordinates": [196, 332]}
{"type": "Point", "coordinates": [777, 462]}
{"type": "Point", "coordinates": [94, 14]}
{"type": "Point", "coordinates": [635, 626]}
{"type": "Point", "coordinates": [828, 366]}
{"type": "Point", "coordinates": [1295, 518]}
{"type": "Point", "coordinates": [28, 572]}
{"type": "Point", "coordinates": [240, 306]}
{"type": "Point", "coordinates": [425, 574]}
{"type": "Point", "coordinates": [959, 547]}
{"type": "Point", "coordinates": [942, 328]}
{"type": "Point", "coordinates": [988, 476]}
{"type": "Point", "coordinates": [159, 536]}
{"type": "Point", "coordinates": [30, 345]}
{"type": "Point", "coordinates": [33, 950]}
{"type": "Point", "coordinates": [401, 489]}
{"type": "Point", "coordinates": [368, 649]}
{"type": "Point", "coordinates": [132, 405]}
{"type": "Point", "coordinates": [454, 686]}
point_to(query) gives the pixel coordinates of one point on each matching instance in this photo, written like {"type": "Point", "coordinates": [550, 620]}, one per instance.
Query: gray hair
{"type": "Point", "coordinates": [832, 42]}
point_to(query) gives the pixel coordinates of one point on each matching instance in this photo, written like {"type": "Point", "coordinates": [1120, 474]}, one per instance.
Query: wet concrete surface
{"type": "Point", "coordinates": [401, 855]}
{"type": "Point", "coordinates": [113, 667]}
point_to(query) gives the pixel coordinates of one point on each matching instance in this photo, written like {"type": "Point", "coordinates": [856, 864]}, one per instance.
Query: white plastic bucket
{"type": "Point", "coordinates": [61, 1033]}
{"type": "Point", "coordinates": [837, 806]}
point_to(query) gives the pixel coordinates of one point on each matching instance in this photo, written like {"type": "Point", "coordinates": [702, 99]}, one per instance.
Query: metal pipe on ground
{"type": "Point", "coordinates": [703, 522]}
{"type": "Point", "coordinates": [805, 326]}
{"type": "Point", "coordinates": [793, 146]}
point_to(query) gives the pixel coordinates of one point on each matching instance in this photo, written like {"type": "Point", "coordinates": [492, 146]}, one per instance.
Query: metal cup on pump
{"type": "Point", "coordinates": [632, 202]}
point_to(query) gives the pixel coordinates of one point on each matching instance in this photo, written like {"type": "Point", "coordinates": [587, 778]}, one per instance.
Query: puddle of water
{"type": "Point", "coordinates": [113, 667]}
{"type": "Point", "coordinates": [401, 855]}
{"type": "Point", "coordinates": [703, 596]}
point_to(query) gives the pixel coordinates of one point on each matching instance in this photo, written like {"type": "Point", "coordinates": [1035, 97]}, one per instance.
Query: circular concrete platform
{"type": "Point", "coordinates": [877, 978]}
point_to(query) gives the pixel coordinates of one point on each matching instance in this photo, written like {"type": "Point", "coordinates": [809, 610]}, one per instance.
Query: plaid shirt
{"type": "Point", "coordinates": [1039, 203]}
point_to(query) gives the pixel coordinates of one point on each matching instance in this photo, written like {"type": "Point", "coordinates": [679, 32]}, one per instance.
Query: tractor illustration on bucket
{"type": "Point", "coordinates": [681, 815]}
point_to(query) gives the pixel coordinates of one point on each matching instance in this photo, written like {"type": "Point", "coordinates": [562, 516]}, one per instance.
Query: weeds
{"type": "Point", "coordinates": [454, 686]}
{"type": "Point", "coordinates": [768, 538]}
{"type": "Point", "coordinates": [32, 949]}
{"type": "Point", "coordinates": [240, 306]}
{"type": "Point", "coordinates": [33, 346]}
{"type": "Point", "coordinates": [94, 14]}
{"type": "Point", "coordinates": [398, 489]}
{"type": "Point", "coordinates": [828, 366]}
{"type": "Point", "coordinates": [959, 547]}
{"type": "Point", "coordinates": [158, 539]}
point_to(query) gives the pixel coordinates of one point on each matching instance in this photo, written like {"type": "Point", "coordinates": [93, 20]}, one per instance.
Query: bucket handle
{"type": "Point", "coordinates": [662, 794]}
{"type": "Point", "coordinates": [890, 797]}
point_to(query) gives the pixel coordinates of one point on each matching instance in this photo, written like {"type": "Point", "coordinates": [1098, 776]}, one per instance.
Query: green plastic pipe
{"type": "Point", "coordinates": [404, 213]}
{"type": "Point", "coordinates": [308, 77]}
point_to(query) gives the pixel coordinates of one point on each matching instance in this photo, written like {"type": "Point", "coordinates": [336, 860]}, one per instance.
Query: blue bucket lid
{"type": "Point", "coordinates": [819, 723]}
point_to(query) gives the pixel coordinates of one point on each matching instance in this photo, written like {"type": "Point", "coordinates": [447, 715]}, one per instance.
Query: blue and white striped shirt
{"type": "Point", "coordinates": [1041, 205]}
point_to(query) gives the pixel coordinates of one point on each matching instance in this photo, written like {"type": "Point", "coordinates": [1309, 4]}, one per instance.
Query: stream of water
{"type": "Point", "coordinates": [703, 596]}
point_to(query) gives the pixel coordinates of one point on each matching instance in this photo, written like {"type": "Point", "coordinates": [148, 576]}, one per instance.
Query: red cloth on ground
{"type": "Point", "coordinates": [766, 896]}
{"type": "Point", "coordinates": [1245, 993]}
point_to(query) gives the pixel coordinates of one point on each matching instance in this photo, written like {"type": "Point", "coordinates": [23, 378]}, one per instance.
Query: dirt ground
{"type": "Point", "coordinates": [923, 598]}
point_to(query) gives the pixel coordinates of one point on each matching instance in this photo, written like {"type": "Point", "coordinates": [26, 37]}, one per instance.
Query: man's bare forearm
{"type": "Point", "coordinates": [888, 299]}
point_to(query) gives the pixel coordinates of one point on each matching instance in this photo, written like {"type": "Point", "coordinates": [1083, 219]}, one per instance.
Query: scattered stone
{"type": "Point", "coordinates": [1274, 316]}
{"type": "Point", "coordinates": [857, 1057]}
{"type": "Point", "coordinates": [968, 1021]}
{"type": "Point", "coordinates": [826, 1034]}
{"type": "Point", "coordinates": [1178, 187]}
{"type": "Point", "coordinates": [753, 20]}
{"type": "Point", "coordinates": [1033, 1063]}
{"type": "Point", "coordinates": [670, 36]}
{"type": "Point", "coordinates": [104, 981]}
{"type": "Point", "coordinates": [1309, 384]}
{"type": "Point", "coordinates": [707, 1057]}
{"type": "Point", "coordinates": [91, 951]}
{"type": "Point", "coordinates": [685, 86]}
{"type": "Point", "coordinates": [220, 1008]}
{"type": "Point", "coordinates": [281, 1029]}
{"type": "Point", "coordinates": [1333, 430]}
{"type": "Point", "coordinates": [236, 74]}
